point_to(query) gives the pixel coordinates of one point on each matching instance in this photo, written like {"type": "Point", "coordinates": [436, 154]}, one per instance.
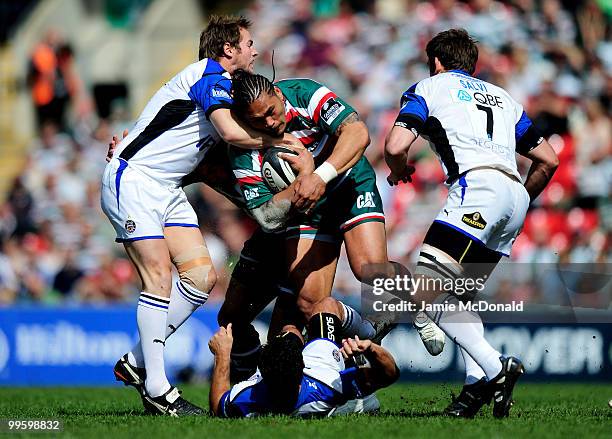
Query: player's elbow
{"type": "Point", "coordinates": [361, 133]}
{"type": "Point", "coordinates": [552, 163]}
{"type": "Point", "coordinates": [229, 136]}
{"type": "Point", "coordinates": [393, 148]}
{"type": "Point", "coordinates": [270, 216]}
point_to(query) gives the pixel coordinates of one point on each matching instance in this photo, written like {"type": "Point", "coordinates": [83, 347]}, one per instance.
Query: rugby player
{"type": "Point", "coordinates": [142, 197]}
{"type": "Point", "coordinates": [349, 206]}
{"type": "Point", "coordinates": [475, 128]}
{"type": "Point", "coordinates": [303, 380]}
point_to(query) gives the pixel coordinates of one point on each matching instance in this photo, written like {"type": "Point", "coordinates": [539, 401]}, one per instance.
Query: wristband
{"type": "Point", "coordinates": [326, 171]}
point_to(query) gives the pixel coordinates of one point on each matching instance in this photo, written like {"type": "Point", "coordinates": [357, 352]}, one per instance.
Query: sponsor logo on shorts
{"type": "Point", "coordinates": [474, 220]}
{"type": "Point", "coordinates": [366, 200]}
{"type": "Point", "coordinates": [130, 226]}
{"type": "Point", "coordinates": [336, 355]}
{"type": "Point", "coordinates": [330, 110]}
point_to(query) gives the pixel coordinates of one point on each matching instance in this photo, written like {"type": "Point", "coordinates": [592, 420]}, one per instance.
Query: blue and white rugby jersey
{"type": "Point", "coordinates": [468, 122]}
{"type": "Point", "coordinates": [173, 132]}
{"type": "Point", "coordinates": [326, 384]}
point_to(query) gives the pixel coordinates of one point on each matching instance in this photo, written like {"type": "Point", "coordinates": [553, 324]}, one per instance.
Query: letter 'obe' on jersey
{"type": "Point", "coordinates": [469, 123]}
{"type": "Point", "coordinates": [173, 133]}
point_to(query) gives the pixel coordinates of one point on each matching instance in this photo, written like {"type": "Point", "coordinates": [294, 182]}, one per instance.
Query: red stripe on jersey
{"type": "Point", "coordinates": [317, 111]}
{"type": "Point", "coordinates": [290, 114]}
{"type": "Point", "coordinates": [250, 180]}
{"type": "Point", "coordinates": [308, 140]}
{"type": "Point", "coordinates": [363, 218]}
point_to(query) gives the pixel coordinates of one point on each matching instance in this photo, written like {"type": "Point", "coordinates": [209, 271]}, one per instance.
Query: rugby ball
{"type": "Point", "coordinates": [276, 172]}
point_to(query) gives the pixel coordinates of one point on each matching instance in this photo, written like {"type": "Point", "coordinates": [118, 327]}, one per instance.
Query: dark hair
{"type": "Point", "coordinates": [247, 87]}
{"type": "Point", "coordinates": [221, 29]}
{"type": "Point", "coordinates": [282, 368]}
{"type": "Point", "coordinates": [455, 49]}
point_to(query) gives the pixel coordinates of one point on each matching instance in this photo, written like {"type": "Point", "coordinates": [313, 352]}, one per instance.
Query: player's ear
{"type": "Point", "coordinates": [278, 92]}
{"type": "Point", "coordinates": [228, 49]}
{"type": "Point", "coordinates": [438, 66]}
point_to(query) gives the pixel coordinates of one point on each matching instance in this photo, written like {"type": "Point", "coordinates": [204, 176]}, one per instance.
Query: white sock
{"type": "Point", "coordinates": [473, 372]}
{"type": "Point", "coordinates": [465, 329]}
{"type": "Point", "coordinates": [353, 324]}
{"type": "Point", "coordinates": [151, 316]}
{"type": "Point", "coordinates": [184, 300]}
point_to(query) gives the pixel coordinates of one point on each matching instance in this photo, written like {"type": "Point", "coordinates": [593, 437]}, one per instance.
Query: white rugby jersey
{"type": "Point", "coordinates": [173, 132]}
{"type": "Point", "coordinates": [468, 122]}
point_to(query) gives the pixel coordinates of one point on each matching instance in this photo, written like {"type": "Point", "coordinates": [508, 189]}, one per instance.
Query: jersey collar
{"type": "Point", "coordinates": [213, 67]}
{"type": "Point", "coordinates": [461, 72]}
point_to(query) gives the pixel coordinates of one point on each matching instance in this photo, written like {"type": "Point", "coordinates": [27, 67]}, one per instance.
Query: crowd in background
{"type": "Point", "coordinates": [554, 57]}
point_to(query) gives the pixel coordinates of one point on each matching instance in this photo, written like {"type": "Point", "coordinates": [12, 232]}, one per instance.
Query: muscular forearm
{"type": "Point", "coordinates": [538, 177]}
{"type": "Point", "coordinates": [385, 371]}
{"type": "Point", "coordinates": [273, 214]}
{"type": "Point", "coordinates": [220, 382]}
{"type": "Point", "coordinates": [397, 145]}
{"type": "Point", "coordinates": [351, 145]}
{"type": "Point", "coordinates": [235, 132]}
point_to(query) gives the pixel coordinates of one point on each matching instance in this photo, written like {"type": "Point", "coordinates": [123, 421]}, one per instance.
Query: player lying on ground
{"type": "Point", "coordinates": [303, 380]}
{"type": "Point", "coordinates": [476, 129]}
{"type": "Point", "coordinates": [349, 207]}
{"type": "Point", "coordinates": [143, 199]}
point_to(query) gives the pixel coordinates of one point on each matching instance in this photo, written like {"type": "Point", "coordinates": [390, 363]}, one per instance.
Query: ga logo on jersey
{"type": "Point", "coordinates": [366, 200]}
{"type": "Point", "coordinates": [130, 226]}
{"type": "Point", "coordinates": [474, 220]}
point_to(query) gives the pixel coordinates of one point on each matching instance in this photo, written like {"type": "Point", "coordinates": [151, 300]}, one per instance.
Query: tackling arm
{"type": "Point", "coordinates": [235, 132]}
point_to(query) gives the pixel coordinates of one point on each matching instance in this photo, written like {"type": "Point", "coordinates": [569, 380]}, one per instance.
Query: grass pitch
{"type": "Point", "coordinates": [407, 411]}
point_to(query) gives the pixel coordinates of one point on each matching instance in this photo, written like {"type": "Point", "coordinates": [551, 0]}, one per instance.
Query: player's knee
{"type": "Point", "coordinates": [363, 265]}
{"type": "Point", "coordinates": [196, 273]}
{"type": "Point", "coordinates": [306, 305]}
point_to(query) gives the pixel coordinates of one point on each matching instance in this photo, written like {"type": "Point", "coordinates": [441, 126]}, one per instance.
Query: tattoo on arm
{"type": "Point", "coordinates": [351, 118]}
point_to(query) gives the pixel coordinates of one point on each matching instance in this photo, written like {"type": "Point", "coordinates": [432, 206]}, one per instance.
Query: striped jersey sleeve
{"type": "Point", "coordinates": [315, 102]}
{"type": "Point", "coordinates": [246, 166]}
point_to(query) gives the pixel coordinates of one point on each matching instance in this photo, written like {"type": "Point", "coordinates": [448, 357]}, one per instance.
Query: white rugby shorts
{"type": "Point", "coordinates": [488, 206]}
{"type": "Point", "coordinates": [139, 207]}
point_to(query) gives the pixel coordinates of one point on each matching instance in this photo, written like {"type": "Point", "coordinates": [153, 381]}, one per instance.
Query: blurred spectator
{"type": "Point", "coordinates": [554, 57]}
{"type": "Point", "coordinates": [52, 78]}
